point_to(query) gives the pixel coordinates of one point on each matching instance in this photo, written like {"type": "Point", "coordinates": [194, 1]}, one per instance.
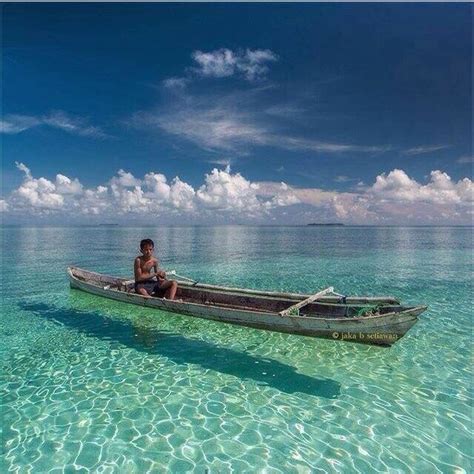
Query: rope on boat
{"type": "Point", "coordinates": [368, 310]}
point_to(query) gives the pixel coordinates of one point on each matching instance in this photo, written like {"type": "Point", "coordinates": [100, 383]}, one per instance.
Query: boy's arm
{"type": "Point", "coordinates": [159, 273]}
{"type": "Point", "coordinates": [139, 274]}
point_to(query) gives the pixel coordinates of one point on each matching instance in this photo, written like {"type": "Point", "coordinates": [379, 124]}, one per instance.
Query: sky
{"type": "Point", "coordinates": [237, 113]}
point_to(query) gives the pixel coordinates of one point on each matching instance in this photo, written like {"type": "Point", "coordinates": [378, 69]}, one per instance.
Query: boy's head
{"type": "Point", "coordinates": [147, 246]}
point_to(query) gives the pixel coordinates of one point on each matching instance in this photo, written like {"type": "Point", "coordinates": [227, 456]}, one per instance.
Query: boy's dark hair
{"type": "Point", "coordinates": [146, 242]}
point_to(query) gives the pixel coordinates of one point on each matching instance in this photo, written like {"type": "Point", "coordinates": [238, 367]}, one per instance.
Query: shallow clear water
{"type": "Point", "coordinates": [90, 384]}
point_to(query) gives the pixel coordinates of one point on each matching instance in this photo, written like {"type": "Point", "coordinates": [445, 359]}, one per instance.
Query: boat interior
{"type": "Point", "coordinates": [188, 293]}
{"type": "Point", "coordinates": [275, 305]}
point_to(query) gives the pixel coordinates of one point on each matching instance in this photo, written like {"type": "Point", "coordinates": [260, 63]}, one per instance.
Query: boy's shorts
{"type": "Point", "coordinates": [151, 286]}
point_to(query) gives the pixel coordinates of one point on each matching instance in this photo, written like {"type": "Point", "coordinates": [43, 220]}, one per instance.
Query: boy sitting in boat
{"type": "Point", "coordinates": [149, 280]}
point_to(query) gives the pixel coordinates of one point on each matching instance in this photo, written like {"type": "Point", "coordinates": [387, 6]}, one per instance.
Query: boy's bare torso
{"type": "Point", "coordinates": [147, 265]}
{"type": "Point", "coordinates": [146, 268]}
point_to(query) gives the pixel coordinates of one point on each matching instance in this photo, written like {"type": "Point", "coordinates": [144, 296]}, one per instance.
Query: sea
{"type": "Point", "coordinates": [93, 385]}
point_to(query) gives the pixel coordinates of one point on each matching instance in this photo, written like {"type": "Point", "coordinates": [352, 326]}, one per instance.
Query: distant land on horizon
{"type": "Point", "coordinates": [326, 224]}
{"type": "Point", "coordinates": [140, 226]}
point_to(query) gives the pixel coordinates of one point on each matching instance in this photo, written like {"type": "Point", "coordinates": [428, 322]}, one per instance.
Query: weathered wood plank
{"type": "Point", "coordinates": [305, 302]}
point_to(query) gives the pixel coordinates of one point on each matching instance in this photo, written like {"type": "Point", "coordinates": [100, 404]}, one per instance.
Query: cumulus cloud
{"type": "Point", "coordinates": [278, 194]}
{"type": "Point", "coordinates": [394, 197]}
{"type": "Point", "coordinates": [64, 185]}
{"type": "Point", "coordinates": [152, 194]}
{"type": "Point", "coordinates": [95, 202]}
{"type": "Point", "coordinates": [250, 64]}
{"type": "Point", "coordinates": [398, 186]}
{"type": "Point", "coordinates": [125, 179]}
{"type": "Point", "coordinates": [38, 193]}
{"type": "Point", "coordinates": [354, 207]}
{"type": "Point", "coordinates": [157, 185]}
{"type": "Point", "coordinates": [13, 124]}
{"type": "Point", "coordinates": [223, 191]}
{"type": "Point", "coordinates": [25, 170]}
{"type": "Point", "coordinates": [315, 197]}
{"type": "Point", "coordinates": [181, 195]}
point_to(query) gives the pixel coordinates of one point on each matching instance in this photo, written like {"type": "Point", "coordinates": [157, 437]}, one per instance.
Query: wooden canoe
{"type": "Point", "coordinates": [369, 320]}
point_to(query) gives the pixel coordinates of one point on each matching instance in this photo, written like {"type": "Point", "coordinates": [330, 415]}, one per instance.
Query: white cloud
{"type": "Point", "coordinates": [465, 159]}
{"type": "Point", "coordinates": [64, 185]}
{"type": "Point", "coordinates": [295, 143]}
{"type": "Point", "coordinates": [130, 200]}
{"type": "Point", "coordinates": [251, 64]}
{"type": "Point", "coordinates": [175, 83]}
{"type": "Point", "coordinates": [353, 208]}
{"type": "Point", "coordinates": [395, 197]}
{"type": "Point", "coordinates": [73, 125]}
{"type": "Point", "coordinates": [238, 120]}
{"type": "Point", "coordinates": [314, 196]}
{"type": "Point", "coordinates": [125, 179]}
{"type": "Point", "coordinates": [277, 194]}
{"type": "Point", "coordinates": [224, 196]}
{"type": "Point", "coordinates": [95, 202]}
{"type": "Point", "coordinates": [36, 193]}
{"type": "Point", "coordinates": [211, 128]}
{"type": "Point", "coordinates": [17, 123]}
{"type": "Point", "coordinates": [398, 186]}
{"type": "Point", "coordinates": [157, 186]}
{"type": "Point", "coordinates": [25, 170]}
{"type": "Point", "coordinates": [418, 150]}
{"type": "Point", "coordinates": [225, 162]}
{"type": "Point", "coordinates": [181, 195]}
{"type": "Point", "coordinates": [219, 63]}
{"type": "Point", "coordinates": [3, 205]}
{"type": "Point", "coordinates": [13, 124]}
{"type": "Point", "coordinates": [235, 124]}
{"type": "Point", "coordinates": [225, 192]}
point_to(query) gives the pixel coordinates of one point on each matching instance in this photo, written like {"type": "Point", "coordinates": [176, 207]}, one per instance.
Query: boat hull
{"type": "Point", "coordinates": [379, 329]}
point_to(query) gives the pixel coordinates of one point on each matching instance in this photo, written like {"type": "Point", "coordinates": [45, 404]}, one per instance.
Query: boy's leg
{"type": "Point", "coordinates": [143, 292]}
{"type": "Point", "coordinates": [170, 287]}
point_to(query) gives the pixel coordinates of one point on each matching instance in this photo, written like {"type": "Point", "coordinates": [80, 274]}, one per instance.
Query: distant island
{"type": "Point", "coordinates": [326, 224]}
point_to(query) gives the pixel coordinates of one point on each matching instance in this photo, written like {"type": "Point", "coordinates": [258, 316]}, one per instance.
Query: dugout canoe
{"type": "Point", "coordinates": [368, 320]}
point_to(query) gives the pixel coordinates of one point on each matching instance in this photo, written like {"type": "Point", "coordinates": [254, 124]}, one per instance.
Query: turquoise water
{"type": "Point", "coordinates": [92, 385]}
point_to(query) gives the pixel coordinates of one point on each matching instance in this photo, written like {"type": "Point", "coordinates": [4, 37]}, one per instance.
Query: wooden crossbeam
{"type": "Point", "coordinates": [312, 298]}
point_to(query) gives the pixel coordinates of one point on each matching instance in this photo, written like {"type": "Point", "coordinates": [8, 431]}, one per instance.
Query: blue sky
{"type": "Point", "coordinates": [323, 97]}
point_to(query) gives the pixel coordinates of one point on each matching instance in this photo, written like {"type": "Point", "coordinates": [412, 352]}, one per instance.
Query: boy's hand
{"type": "Point", "coordinates": [161, 274]}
